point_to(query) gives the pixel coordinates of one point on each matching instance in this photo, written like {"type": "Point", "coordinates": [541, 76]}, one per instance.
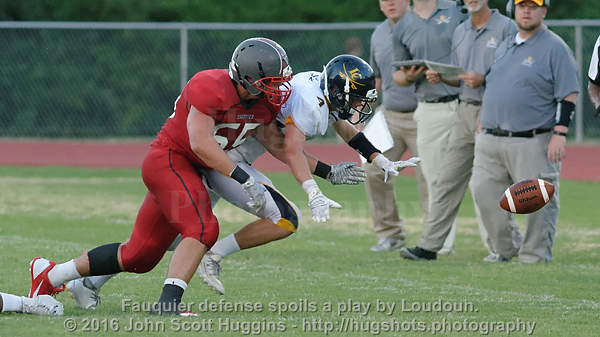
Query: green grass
{"type": "Point", "coordinates": [58, 212]}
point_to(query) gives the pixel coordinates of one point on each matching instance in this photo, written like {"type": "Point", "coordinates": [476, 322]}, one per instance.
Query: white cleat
{"type": "Point", "coordinates": [42, 305]}
{"type": "Point", "coordinates": [86, 297]}
{"type": "Point", "coordinates": [209, 270]}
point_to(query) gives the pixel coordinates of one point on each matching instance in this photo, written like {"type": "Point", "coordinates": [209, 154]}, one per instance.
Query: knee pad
{"type": "Point", "coordinates": [290, 216]}
{"type": "Point", "coordinates": [104, 260]}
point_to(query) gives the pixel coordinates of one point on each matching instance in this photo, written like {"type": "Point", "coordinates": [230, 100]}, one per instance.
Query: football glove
{"type": "Point", "coordinates": [256, 192]}
{"type": "Point", "coordinates": [346, 173]}
{"type": "Point", "coordinates": [394, 167]}
{"type": "Point", "coordinates": [318, 203]}
{"type": "Point", "coordinates": [319, 206]}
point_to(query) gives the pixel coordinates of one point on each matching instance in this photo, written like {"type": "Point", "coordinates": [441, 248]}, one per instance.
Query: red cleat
{"type": "Point", "coordinates": [188, 314]}
{"type": "Point", "coordinates": [40, 284]}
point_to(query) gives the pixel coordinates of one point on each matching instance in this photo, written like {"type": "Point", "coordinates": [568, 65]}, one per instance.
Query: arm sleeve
{"type": "Point", "coordinates": [455, 41]}
{"type": "Point", "coordinates": [208, 104]}
{"type": "Point", "coordinates": [399, 51]}
{"type": "Point", "coordinates": [305, 117]}
{"type": "Point", "coordinates": [564, 71]}
{"type": "Point", "coordinates": [372, 61]}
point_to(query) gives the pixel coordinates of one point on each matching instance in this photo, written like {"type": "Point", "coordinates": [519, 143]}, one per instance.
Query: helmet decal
{"type": "Point", "coordinates": [352, 76]}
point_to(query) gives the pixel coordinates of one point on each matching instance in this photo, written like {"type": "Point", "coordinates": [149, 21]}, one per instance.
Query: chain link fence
{"type": "Point", "coordinates": [120, 80]}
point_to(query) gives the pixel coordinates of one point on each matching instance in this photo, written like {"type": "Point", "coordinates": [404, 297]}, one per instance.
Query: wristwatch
{"type": "Point", "coordinates": [564, 134]}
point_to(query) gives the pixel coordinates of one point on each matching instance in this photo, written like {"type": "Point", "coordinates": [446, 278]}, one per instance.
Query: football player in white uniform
{"type": "Point", "coordinates": [344, 88]}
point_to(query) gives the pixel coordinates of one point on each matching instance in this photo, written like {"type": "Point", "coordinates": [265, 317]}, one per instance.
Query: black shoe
{"type": "Point", "coordinates": [417, 253]}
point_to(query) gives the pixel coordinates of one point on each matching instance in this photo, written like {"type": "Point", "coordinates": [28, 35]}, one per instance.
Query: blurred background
{"type": "Point", "coordinates": [80, 69]}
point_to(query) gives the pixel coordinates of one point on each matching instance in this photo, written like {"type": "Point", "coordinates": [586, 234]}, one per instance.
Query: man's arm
{"type": "Point", "coordinates": [594, 93]}
{"type": "Point", "coordinates": [556, 147]}
{"type": "Point", "coordinates": [294, 153]}
{"type": "Point", "coordinates": [407, 76]}
{"type": "Point", "coordinates": [201, 130]}
{"type": "Point", "coordinates": [274, 141]}
{"type": "Point", "coordinates": [594, 78]}
{"type": "Point", "coordinates": [358, 141]}
{"type": "Point", "coordinates": [347, 131]}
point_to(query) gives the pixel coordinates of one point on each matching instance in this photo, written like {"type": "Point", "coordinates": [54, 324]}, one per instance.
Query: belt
{"type": "Point", "coordinates": [444, 99]}
{"type": "Point", "coordinates": [522, 134]}
{"type": "Point", "coordinates": [475, 103]}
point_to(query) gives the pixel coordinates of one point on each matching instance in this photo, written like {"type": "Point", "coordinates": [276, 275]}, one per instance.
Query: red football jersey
{"type": "Point", "coordinates": [213, 93]}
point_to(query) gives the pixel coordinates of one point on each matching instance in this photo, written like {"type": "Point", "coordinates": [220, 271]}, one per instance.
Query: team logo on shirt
{"type": "Point", "coordinates": [321, 102]}
{"type": "Point", "coordinates": [352, 76]}
{"type": "Point", "coordinates": [492, 43]}
{"type": "Point", "coordinates": [528, 61]}
{"type": "Point", "coordinates": [245, 116]}
{"type": "Point", "coordinates": [442, 19]}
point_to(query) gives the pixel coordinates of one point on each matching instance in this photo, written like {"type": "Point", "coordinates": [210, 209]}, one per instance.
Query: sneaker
{"type": "Point", "coordinates": [188, 314]}
{"type": "Point", "coordinates": [209, 270]}
{"type": "Point", "coordinates": [446, 251]}
{"type": "Point", "coordinates": [86, 297]}
{"type": "Point", "coordinates": [42, 305]}
{"type": "Point", "coordinates": [166, 308]}
{"type": "Point", "coordinates": [388, 244]}
{"type": "Point", "coordinates": [417, 253]}
{"type": "Point", "coordinates": [40, 284]}
{"type": "Point", "coordinates": [493, 257]}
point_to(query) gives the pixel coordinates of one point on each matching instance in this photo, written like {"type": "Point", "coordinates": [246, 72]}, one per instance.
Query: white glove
{"type": "Point", "coordinates": [394, 167]}
{"type": "Point", "coordinates": [346, 173]}
{"type": "Point", "coordinates": [318, 203]}
{"type": "Point", "coordinates": [256, 192]}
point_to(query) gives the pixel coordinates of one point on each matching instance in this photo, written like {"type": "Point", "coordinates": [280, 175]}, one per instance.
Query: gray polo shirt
{"type": "Point", "coordinates": [395, 97]}
{"type": "Point", "coordinates": [428, 39]}
{"type": "Point", "coordinates": [526, 82]}
{"type": "Point", "coordinates": [474, 49]}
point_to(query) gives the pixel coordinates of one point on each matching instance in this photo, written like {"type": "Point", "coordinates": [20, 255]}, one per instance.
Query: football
{"type": "Point", "coordinates": [527, 196]}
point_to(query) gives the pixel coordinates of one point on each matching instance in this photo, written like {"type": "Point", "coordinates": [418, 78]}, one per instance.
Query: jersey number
{"type": "Point", "coordinates": [241, 136]}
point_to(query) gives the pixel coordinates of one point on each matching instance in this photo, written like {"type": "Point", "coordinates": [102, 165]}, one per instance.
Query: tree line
{"type": "Point", "coordinates": [235, 10]}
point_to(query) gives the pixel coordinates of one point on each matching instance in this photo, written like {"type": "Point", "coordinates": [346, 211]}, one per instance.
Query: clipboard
{"type": "Point", "coordinates": [449, 71]}
{"type": "Point", "coordinates": [378, 133]}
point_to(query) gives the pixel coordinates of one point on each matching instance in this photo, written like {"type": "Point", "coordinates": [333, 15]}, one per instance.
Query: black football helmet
{"type": "Point", "coordinates": [261, 66]}
{"type": "Point", "coordinates": [349, 84]}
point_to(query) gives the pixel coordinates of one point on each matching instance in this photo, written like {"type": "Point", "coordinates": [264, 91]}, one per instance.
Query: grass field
{"type": "Point", "coordinates": [322, 278]}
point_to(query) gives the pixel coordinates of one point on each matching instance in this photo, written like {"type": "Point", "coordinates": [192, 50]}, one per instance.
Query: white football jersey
{"type": "Point", "coordinates": [306, 108]}
{"type": "Point", "coordinates": [594, 71]}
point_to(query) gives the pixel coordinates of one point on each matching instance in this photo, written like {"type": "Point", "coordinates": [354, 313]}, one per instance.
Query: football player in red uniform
{"type": "Point", "coordinates": [215, 112]}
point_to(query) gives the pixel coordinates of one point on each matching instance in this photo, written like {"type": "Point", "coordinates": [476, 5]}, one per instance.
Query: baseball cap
{"type": "Point", "coordinates": [538, 2]}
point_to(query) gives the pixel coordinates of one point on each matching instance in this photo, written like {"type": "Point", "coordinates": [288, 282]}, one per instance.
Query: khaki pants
{"type": "Point", "coordinates": [382, 197]}
{"type": "Point", "coordinates": [500, 162]}
{"type": "Point", "coordinates": [433, 125]}
{"type": "Point", "coordinates": [455, 174]}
